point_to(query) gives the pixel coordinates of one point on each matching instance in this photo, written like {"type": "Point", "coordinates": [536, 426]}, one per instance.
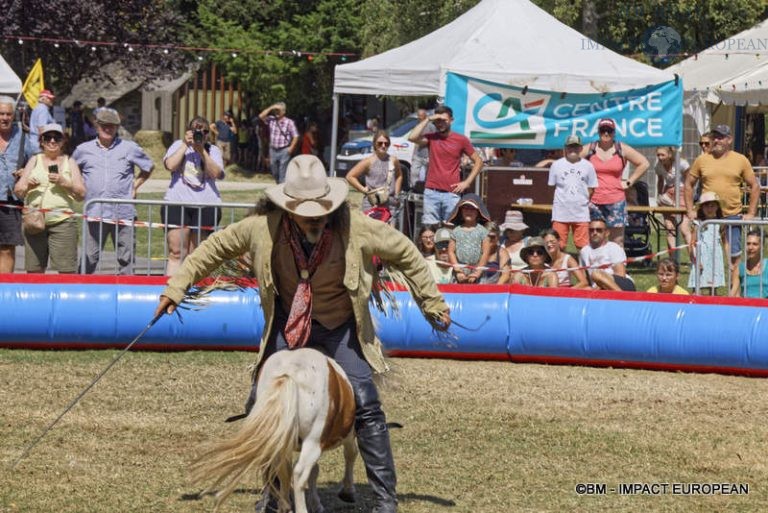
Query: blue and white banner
{"type": "Point", "coordinates": [492, 114]}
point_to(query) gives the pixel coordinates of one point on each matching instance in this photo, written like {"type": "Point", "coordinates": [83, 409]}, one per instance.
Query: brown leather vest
{"type": "Point", "coordinates": [331, 305]}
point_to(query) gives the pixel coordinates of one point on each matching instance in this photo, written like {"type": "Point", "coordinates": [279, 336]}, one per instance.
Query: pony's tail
{"type": "Point", "coordinates": [264, 444]}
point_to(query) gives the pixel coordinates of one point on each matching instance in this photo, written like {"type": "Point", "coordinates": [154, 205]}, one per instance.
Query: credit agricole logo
{"type": "Point", "coordinates": [501, 116]}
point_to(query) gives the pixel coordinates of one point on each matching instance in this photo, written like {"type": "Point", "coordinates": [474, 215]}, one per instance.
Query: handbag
{"type": "Point", "coordinates": [33, 222]}
{"type": "Point", "coordinates": [380, 195]}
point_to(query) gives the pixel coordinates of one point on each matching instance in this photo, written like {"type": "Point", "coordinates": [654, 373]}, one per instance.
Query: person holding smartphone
{"type": "Point", "coordinates": [51, 181]}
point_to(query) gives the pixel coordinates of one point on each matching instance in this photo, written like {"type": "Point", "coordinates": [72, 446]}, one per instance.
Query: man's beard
{"type": "Point", "coordinates": [313, 235]}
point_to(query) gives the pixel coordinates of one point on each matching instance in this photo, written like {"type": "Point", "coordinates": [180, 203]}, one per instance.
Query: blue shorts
{"type": "Point", "coordinates": [734, 236]}
{"type": "Point", "coordinates": [438, 205]}
{"type": "Point", "coordinates": [614, 214]}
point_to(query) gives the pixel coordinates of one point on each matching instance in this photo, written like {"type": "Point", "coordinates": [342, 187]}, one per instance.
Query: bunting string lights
{"type": "Point", "coordinates": [167, 48]}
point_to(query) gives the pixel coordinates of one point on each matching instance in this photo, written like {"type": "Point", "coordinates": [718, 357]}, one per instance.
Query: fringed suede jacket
{"type": "Point", "coordinates": [363, 238]}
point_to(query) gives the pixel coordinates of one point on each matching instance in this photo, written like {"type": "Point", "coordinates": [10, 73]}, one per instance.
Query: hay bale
{"type": "Point", "coordinates": [155, 143]}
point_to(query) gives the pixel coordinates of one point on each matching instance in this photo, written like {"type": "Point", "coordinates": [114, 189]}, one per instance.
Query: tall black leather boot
{"type": "Point", "coordinates": [375, 449]}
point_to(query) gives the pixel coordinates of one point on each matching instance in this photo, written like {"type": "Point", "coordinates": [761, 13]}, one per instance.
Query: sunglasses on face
{"type": "Point", "coordinates": [536, 252]}
{"type": "Point", "coordinates": [606, 130]}
{"type": "Point", "coordinates": [596, 230]}
{"type": "Point", "coordinates": [52, 138]}
{"type": "Point", "coordinates": [704, 144]}
{"type": "Point", "coordinates": [383, 144]}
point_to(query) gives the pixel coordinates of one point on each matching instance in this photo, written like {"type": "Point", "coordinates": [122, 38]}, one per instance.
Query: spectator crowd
{"type": "Point", "coordinates": [48, 170]}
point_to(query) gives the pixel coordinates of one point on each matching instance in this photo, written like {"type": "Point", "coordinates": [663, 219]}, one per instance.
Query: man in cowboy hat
{"type": "Point", "coordinates": [313, 259]}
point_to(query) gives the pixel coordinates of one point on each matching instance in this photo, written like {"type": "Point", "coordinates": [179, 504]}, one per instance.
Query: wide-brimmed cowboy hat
{"type": "Point", "coordinates": [472, 200]}
{"type": "Point", "coordinates": [307, 191]}
{"type": "Point", "coordinates": [535, 242]}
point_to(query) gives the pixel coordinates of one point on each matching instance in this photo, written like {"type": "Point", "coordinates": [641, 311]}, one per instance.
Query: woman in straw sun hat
{"type": "Point", "coordinates": [313, 259]}
{"type": "Point", "coordinates": [512, 230]}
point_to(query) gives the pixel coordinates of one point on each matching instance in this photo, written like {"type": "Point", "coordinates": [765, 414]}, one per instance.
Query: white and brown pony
{"type": "Point", "coordinates": [304, 403]}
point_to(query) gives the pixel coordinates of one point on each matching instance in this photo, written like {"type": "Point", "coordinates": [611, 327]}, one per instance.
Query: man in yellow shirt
{"type": "Point", "coordinates": [723, 171]}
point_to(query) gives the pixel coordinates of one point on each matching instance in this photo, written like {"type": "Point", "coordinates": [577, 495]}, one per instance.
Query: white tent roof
{"type": "Point", "coordinates": [10, 83]}
{"type": "Point", "coordinates": [504, 41]}
{"type": "Point", "coordinates": [731, 70]}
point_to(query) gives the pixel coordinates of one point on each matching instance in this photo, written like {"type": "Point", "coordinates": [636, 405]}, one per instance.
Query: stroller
{"type": "Point", "coordinates": [384, 214]}
{"type": "Point", "coordinates": [637, 232]}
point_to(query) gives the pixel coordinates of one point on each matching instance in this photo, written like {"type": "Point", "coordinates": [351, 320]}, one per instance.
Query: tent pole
{"type": "Point", "coordinates": [334, 134]}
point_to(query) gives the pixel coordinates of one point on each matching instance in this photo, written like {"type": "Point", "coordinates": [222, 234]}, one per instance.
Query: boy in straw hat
{"type": "Point", "coordinates": [313, 259]}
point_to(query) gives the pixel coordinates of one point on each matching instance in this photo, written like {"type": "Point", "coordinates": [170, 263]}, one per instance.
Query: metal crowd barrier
{"type": "Point", "coordinates": [729, 224]}
{"type": "Point", "coordinates": [147, 233]}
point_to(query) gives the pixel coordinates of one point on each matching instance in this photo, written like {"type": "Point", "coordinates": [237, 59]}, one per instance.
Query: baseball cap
{"type": "Point", "coordinates": [721, 129]}
{"type": "Point", "coordinates": [51, 127]}
{"type": "Point", "coordinates": [442, 235]}
{"type": "Point", "coordinates": [107, 117]}
{"type": "Point", "coordinates": [573, 140]}
{"type": "Point", "coordinates": [606, 123]}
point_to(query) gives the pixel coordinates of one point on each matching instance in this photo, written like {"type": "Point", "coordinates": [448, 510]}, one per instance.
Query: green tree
{"type": "Point", "coordinates": [625, 26]}
{"type": "Point", "coordinates": [273, 38]}
{"type": "Point", "coordinates": [127, 21]}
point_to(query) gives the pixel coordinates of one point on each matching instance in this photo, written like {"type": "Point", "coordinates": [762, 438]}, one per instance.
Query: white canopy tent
{"type": "Point", "coordinates": [10, 83]}
{"type": "Point", "coordinates": [512, 42]}
{"type": "Point", "coordinates": [733, 71]}
{"type": "Point", "coordinates": [730, 70]}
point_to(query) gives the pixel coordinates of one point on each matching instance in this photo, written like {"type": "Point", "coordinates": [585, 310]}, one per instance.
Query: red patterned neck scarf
{"type": "Point", "coordinates": [300, 319]}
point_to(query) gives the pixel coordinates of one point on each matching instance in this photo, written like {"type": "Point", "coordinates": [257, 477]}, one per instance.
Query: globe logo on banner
{"type": "Point", "coordinates": [506, 117]}
{"type": "Point", "coordinates": [662, 43]}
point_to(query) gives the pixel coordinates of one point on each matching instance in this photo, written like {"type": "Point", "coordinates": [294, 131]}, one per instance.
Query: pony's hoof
{"type": "Point", "coordinates": [347, 496]}
{"type": "Point", "coordinates": [267, 504]}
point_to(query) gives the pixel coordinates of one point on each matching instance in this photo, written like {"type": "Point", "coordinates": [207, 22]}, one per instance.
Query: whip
{"type": "Point", "coordinates": [71, 405]}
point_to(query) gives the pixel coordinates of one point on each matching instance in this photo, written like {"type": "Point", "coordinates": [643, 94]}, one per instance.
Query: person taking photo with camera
{"type": "Point", "coordinates": [195, 165]}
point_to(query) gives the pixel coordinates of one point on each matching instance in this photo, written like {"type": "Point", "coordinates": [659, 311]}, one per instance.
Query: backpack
{"type": "Point", "coordinates": [616, 147]}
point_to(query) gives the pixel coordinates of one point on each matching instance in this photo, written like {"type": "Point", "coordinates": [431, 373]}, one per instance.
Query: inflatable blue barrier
{"type": "Point", "coordinates": [512, 323]}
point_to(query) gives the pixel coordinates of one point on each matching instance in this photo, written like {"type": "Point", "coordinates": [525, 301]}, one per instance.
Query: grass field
{"type": "Point", "coordinates": [478, 436]}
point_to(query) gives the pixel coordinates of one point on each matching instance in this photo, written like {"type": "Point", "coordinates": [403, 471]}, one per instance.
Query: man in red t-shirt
{"type": "Point", "coordinates": [444, 186]}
